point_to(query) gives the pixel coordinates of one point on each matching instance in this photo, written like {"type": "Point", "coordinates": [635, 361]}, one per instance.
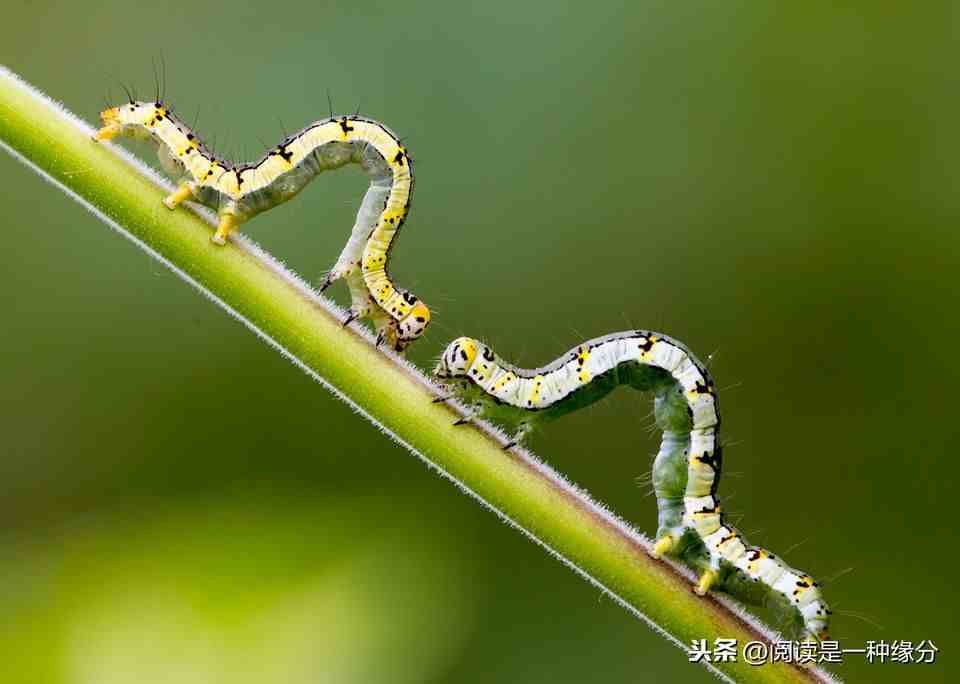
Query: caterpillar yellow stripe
{"type": "Point", "coordinates": [687, 469]}
{"type": "Point", "coordinates": [238, 192]}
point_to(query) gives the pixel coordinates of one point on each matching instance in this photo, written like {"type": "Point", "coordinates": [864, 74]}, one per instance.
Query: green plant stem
{"type": "Point", "coordinates": [391, 393]}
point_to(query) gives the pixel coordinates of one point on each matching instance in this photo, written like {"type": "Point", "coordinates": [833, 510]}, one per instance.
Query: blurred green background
{"type": "Point", "coordinates": [772, 183]}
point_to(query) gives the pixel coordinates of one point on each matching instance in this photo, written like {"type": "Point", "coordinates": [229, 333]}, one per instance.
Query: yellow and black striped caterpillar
{"type": "Point", "coordinates": [687, 469]}
{"type": "Point", "coordinates": [238, 192]}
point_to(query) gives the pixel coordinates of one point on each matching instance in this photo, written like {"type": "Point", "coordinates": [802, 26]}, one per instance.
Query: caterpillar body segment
{"type": "Point", "coordinates": [238, 192]}
{"type": "Point", "coordinates": [687, 468]}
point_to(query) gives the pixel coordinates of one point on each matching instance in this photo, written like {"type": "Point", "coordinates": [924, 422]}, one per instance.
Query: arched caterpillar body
{"type": "Point", "coordinates": [669, 476]}
{"type": "Point", "coordinates": [689, 462]}
{"type": "Point", "coordinates": [238, 192]}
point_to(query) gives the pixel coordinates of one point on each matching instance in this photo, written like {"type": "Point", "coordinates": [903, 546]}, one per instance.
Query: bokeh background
{"type": "Point", "coordinates": [774, 185]}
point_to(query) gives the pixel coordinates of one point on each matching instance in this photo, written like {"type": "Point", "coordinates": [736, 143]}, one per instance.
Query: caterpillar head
{"type": "Point", "coordinates": [415, 322]}
{"type": "Point", "coordinates": [457, 358]}
{"type": "Point", "coordinates": [135, 118]}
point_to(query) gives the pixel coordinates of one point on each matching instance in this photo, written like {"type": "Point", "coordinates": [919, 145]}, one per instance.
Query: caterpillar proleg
{"type": "Point", "coordinates": [238, 192]}
{"type": "Point", "coordinates": [687, 469]}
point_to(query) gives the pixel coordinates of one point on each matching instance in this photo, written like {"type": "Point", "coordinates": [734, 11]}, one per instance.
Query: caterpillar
{"type": "Point", "coordinates": [238, 192]}
{"type": "Point", "coordinates": [686, 470]}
